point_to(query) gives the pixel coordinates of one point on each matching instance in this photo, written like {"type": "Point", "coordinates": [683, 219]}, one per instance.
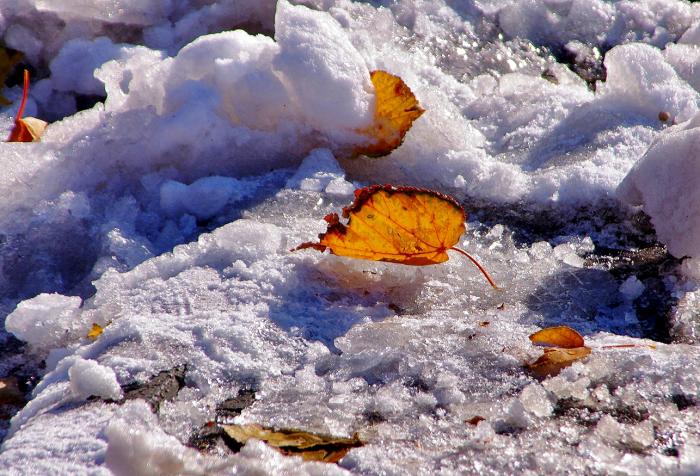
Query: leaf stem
{"type": "Point", "coordinates": [25, 95]}
{"type": "Point", "coordinates": [478, 265]}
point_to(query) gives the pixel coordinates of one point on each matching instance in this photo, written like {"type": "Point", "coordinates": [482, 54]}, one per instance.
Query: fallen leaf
{"type": "Point", "coordinates": [310, 446]}
{"type": "Point", "coordinates": [7, 63]}
{"type": "Point", "coordinates": [559, 336]}
{"type": "Point", "coordinates": [395, 109]}
{"type": "Point", "coordinates": [475, 420]}
{"type": "Point", "coordinates": [28, 129]}
{"type": "Point", "coordinates": [555, 359]}
{"type": "Point", "coordinates": [403, 225]}
{"type": "Point", "coordinates": [95, 331]}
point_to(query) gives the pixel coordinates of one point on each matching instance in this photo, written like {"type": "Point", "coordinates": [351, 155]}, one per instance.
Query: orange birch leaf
{"type": "Point", "coordinates": [559, 336]}
{"type": "Point", "coordinates": [555, 359]}
{"type": "Point", "coordinates": [403, 225]}
{"type": "Point", "coordinates": [29, 129]}
{"type": "Point", "coordinates": [395, 109]}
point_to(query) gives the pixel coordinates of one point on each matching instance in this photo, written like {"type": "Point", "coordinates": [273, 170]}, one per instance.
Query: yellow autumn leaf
{"type": "Point", "coordinates": [559, 336]}
{"type": "Point", "coordinates": [403, 225]}
{"type": "Point", "coordinates": [95, 331]}
{"type": "Point", "coordinates": [395, 109]}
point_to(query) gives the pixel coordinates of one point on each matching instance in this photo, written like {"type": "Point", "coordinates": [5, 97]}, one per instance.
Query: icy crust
{"type": "Point", "coordinates": [40, 28]}
{"type": "Point", "coordinates": [596, 22]}
{"type": "Point", "coordinates": [402, 355]}
{"type": "Point", "coordinates": [405, 357]}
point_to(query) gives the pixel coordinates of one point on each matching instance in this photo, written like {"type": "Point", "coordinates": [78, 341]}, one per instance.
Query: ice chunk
{"type": "Point", "coordinates": [632, 288]}
{"type": "Point", "coordinates": [204, 198]}
{"type": "Point", "coordinates": [321, 172]}
{"type": "Point", "coordinates": [535, 400]}
{"type": "Point", "coordinates": [46, 320]}
{"type": "Point", "coordinates": [136, 12]}
{"type": "Point", "coordinates": [89, 378]}
{"type": "Point", "coordinates": [73, 67]}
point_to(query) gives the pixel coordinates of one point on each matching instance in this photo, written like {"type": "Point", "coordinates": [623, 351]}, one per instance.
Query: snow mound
{"type": "Point", "coordinates": [663, 182]}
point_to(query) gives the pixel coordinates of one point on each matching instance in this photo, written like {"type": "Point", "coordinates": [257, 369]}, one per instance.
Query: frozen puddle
{"type": "Point", "coordinates": [165, 214]}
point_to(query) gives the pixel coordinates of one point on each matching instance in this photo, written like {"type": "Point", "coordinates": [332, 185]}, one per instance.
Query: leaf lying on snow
{"type": "Point", "coordinates": [310, 446]}
{"type": "Point", "coordinates": [403, 225]}
{"type": "Point", "coordinates": [567, 346]}
{"type": "Point", "coordinates": [559, 336]}
{"type": "Point", "coordinates": [96, 331]}
{"type": "Point", "coordinates": [7, 63]}
{"type": "Point", "coordinates": [395, 109]}
{"type": "Point", "coordinates": [28, 129]}
{"type": "Point", "coordinates": [555, 359]}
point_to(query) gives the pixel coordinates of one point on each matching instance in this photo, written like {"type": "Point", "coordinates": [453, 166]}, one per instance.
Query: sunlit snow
{"type": "Point", "coordinates": [193, 144]}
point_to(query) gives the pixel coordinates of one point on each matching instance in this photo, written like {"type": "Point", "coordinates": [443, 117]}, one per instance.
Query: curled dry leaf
{"type": "Point", "coordinates": [405, 225]}
{"type": "Point", "coordinates": [559, 336]}
{"type": "Point", "coordinates": [395, 109]}
{"type": "Point", "coordinates": [310, 446]}
{"type": "Point", "coordinates": [555, 359]}
{"type": "Point", "coordinates": [475, 420]}
{"type": "Point", "coordinates": [28, 129]}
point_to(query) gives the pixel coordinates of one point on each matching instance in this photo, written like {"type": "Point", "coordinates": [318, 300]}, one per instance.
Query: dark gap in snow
{"type": "Point", "coordinates": [161, 387]}
{"type": "Point", "coordinates": [87, 101]}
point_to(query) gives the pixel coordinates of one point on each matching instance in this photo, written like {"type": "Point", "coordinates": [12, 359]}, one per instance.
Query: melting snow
{"type": "Point", "coordinates": [165, 213]}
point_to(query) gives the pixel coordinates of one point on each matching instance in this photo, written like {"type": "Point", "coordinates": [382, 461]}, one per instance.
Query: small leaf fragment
{"type": "Point", "coordinates": [555, 359]}
{"type": "Point", "coordinates": [559, 336]}
{"type": "Point", "coordinates": [28, 129]}
{"type": "Point", "coordinates": [310, 446]}
{"type": "Point", "coordinates": [395, 109]}
{"type": "Point", "coordinates": [95, 331]}
{"type": "Point", "coordinates": [475, 420]}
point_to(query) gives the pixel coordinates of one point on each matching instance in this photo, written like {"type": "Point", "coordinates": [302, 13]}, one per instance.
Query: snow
{"type": "Point", "coordinates": [662, 182]}
{"type": "Point", "coordinates": [165, 213]}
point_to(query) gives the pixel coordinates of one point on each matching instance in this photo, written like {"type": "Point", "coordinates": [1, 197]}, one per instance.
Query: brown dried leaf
{"type": "Point", "coordinates": [310, 446]}
{"type": "Point", "coordinates": [475, 420]}
{"type": "Point", "coordinates": [555, 359]}
{"type": "Point", "coordinates": [560, 336]}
